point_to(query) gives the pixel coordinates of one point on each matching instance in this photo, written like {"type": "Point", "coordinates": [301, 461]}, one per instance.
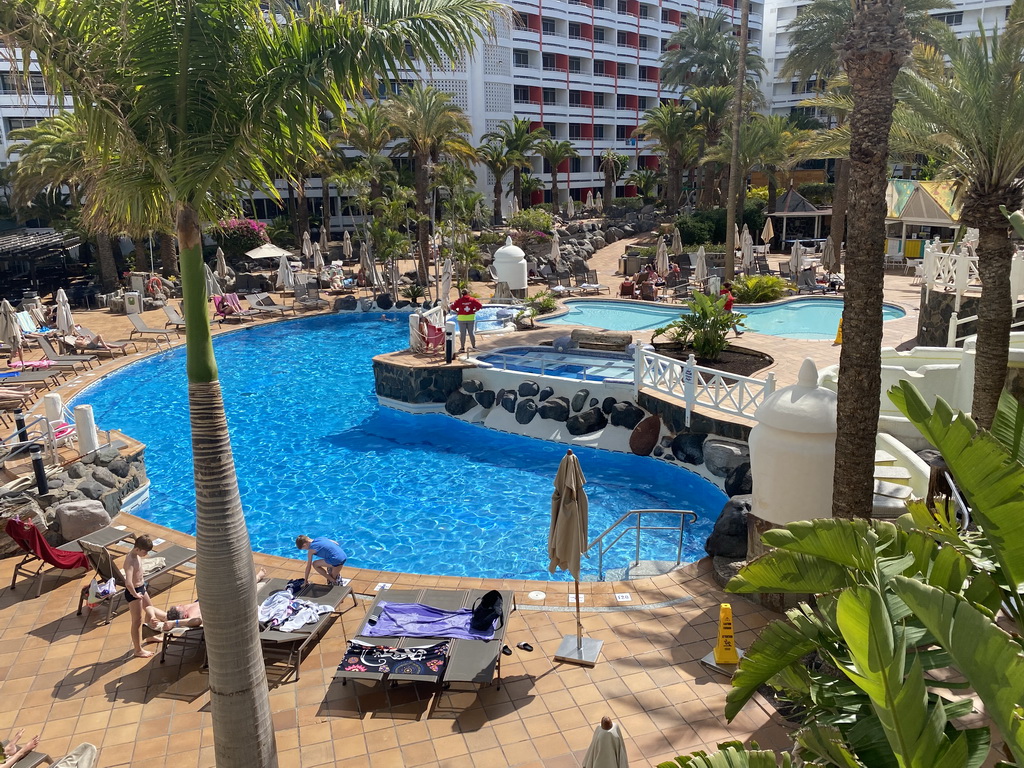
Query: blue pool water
{"type": "Point", "coordinates": [796, 319]}
{"type": "Point", "coordinates": [413, 493]}
{"type": "Point", "coordinates": [493, 318]}
{"type": "Point", "coordinates": [579, 364]}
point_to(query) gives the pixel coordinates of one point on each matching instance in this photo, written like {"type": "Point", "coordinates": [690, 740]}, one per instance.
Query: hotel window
{"type": "Point", "coordinates": [644, 12]}
{"type": "Point", "coordinates": [598, 131]}
{"type": "Point", "coordinates": [641, 103]}
{"type": "Point", "coordinates": [17, 123]}
{"type": "Point", "coordinates": [664, 45]}
{"type": "Point", "coordinates": [552, 129]}
{"type": "Point", "coordinates": [951, 19]}
{"type": "Point", "coordinates": [598, 34]}
{"type": "Point", "coordinates": [575, 164]}
{"type": "Point", "coordinates": [550, 98]}
{"type": "Point", "coordinates": [598, 67]}
{"type": "Point", "coordinates": [520, 23]}
{"type": "Point", "coordinates": [575, 64]}
{"type": "Point", "coordinates": [520, 58]}
{"type": "Point", "coordinates": [575, 131]}
{"type": "Point", "coordinates": [520, 94]}
{"type": "Point", "coordinates": [623, 6]}
{"type": "Point", "coordinates": [547, 26]}
{"type": "Point", "coordinates": [622, 132]}
{"type": "Point", "coordinates": [620, 101]}
{"type": "Point", "coordinates": [575, 98]}
{"type": "Point", "coordinates": [645, 43]}
{"type": "Point", "coordinates": [620, 70]}
{"type": "Point", "coordinates": [666, 16]}
{"type": "Point", "coordinates": [598, 99]}
{"type": "Point", "coordinates": [548, 62]}
{"type": "Point", "coordinates": [620, 39]}
{"type": "Point", "coordinates": [575, 31]}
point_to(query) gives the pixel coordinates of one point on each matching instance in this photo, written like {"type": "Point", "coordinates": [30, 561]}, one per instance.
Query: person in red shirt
{"type": "Point", "coordinates": [466, 308]}
{"type": "Point", "coordinates": [729, 299]}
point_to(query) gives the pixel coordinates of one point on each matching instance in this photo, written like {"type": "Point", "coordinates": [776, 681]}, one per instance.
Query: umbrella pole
{"type": "Point", "coordinates": [579, 621]}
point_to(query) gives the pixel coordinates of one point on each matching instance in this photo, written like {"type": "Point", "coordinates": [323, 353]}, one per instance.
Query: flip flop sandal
{"type": "Point", "coordinates": [506, 650]}
{"type": "Point", "coordinates": [525, 647]}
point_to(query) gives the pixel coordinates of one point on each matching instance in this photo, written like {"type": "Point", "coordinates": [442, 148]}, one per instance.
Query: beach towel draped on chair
{"type": "Point", "coordinates": [419, 620]}
{"type": "Point", "coordinates": [31, 540]}
{"type": "Point", "coordinates": [428, 660]}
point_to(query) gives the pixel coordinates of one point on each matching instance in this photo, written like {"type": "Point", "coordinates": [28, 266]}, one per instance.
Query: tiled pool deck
{"type": "Point", "coordinates": [71, 679]}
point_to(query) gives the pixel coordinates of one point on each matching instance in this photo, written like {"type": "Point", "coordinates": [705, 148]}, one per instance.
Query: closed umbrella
{"type": "Point", "coordinates": [514, 207]}
{"type": "Point", "coordinates": [567, 540]}
{"type": "Point", "coordinates": [830, 257]}
{"type": "Point", "coordinates": [556, 243]}
{"type": "Point", "coordinates": [590, 199]}
{"type": "Point", "coordinates": [607, 748]}
{"type": "Point", "coordinates": [478, 214]}
{"type": "Point", "coordinates": [285, 277]}
{"type": "Point", "coordinates": [346, 245]}
{"type": "Point", "coordinates": [795, 257]}
{"type": "Point", "coordinates": [700, 268]}
{"type": "Point", "coordinates": [212, 286]}
{"type": "Point", "coordinates": [318, 258]}
{"type": "Point", "coordinates": [10, 331]}
{"type": "Point", "coordinates": [736, 234]}
{"type": "Point", "coordinates": [661, 259]}
{"type": "Point", "coordinates": [65, 323]}
{"type": "Point", "coordinates": [768, 232]}
{"type": "Point", "coordinates": [747, 250]}
{"type": "Point", "coordinates": [307, 248]}
{"type": "Point", "coordinates": [324, 243]}
{"type": "Point", "coordinates": [222, 265]}
{"type": "Point", "coordinates": [599, 202]}
{"type": "Point", "coordinates": [446, 282]}
{"type": "Point", "coordinates": [677, 242]}
{"type": "Point", "coordinates": [570, 209]}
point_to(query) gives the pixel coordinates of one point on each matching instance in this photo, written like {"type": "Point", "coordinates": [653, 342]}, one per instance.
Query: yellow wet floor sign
{"type": "Point", "coordinates": [725, 648]}
{"type": "Point", "coordinates": [839, 333]}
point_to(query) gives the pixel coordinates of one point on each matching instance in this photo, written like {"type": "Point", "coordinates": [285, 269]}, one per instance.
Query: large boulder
{"type": "Point", "coordinates": [104, 476]}
{"type": "Point", "coordinates": [459, 403]}
{"type": "Point", "coordinates": [556, 409]}
{"type": "Point", "coordinates": [508, 401]}
{"type": "Point", "coordinates": [723, 456]}
{"type": "Point", "coordinates": [587, 422]}
{"type": "Point", "coordinates": [529, 388]}
{"type": "Point", "coordinates": [644, 438]}
{"type": "Point", "coordinates": [384, 301]}
{"type": "Point", "coordinates": [119, 467]}
{"type": "Point", "coordinates": [545, 394]}
{"type": "Point", "coordinates": [472, 386]}
{"type": "Point", "coordinates": [689, 448]}
{"type": "Point", "coordinates": [739, 482]}
{"type": "Point", "coordinates": [729, 536]}
{"type": "Point", "coordinates": [625, 414]}
{"type": "Point", "coordinates": [526, 411]}
{"type": "Point", "coordinates": [76, 519]}
{"type": "Point", "coordinates": [579, 400]}
{"type": "Point", "coordinates": [485, 398]}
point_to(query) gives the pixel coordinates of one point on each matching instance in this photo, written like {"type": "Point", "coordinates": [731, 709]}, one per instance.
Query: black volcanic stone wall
{"type": "Point", "coordinates": [936, 309]}
{"type": "Point", "coordinates": [674, 417]}
{"type": "Point", "coordinates": [415, 385]}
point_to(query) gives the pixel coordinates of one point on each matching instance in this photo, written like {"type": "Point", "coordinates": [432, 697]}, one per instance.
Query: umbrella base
{"type": "Point", "coordinates": [585, 653]}
{"type": "Point", "coordinates": [709, 663]}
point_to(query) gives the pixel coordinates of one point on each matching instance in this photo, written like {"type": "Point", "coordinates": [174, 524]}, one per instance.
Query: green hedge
{"type": "Point", "coordinates": [709, 226]}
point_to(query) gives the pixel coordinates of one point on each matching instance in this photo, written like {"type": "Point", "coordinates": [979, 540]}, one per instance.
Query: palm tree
{"type": "Point", "coordinates": [555, 152]}
{"type": "Point", "coordinates": [531, 184]}
{"type": "Point", "coordinates": [53, 153]}
{"type": "Point", "coordinates": [613, 166]}
{"type": "Point", "coordinates": [520, 139]}
{"type": "Point", "coordinates": [875, 48]}
{"type": "Point", "coordinates": [973, 110]}
{"type": "Point", "coordinates": [499, 161]}
{"type": "Point", "coordinates": [367, 128]}
{"type": "Point", "coordinates": [646, 181]}
{"type": "Point", "coordinates": [673, 129]}
{"type": "Point", "coordinates": [706, 53]}
{"type": "Point", "coordinates": [430, 128]}
{"type": "Point", "coordinates": [181, 95]}
{"type": "Point", "coordinates": [711, 105]}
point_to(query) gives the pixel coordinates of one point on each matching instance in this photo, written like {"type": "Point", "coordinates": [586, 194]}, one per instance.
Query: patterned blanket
{"type": "Point", "coordinates": [427, 660]}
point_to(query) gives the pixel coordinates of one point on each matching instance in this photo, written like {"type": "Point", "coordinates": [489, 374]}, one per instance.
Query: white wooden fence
{"type": "Point", "coordinates": [698, 386]}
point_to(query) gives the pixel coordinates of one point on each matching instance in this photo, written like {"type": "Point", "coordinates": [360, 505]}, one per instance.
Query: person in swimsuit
{"type": "Point", "coordinates": [135, 591]}
{"type": "Point", "coordinates": [331, 557]}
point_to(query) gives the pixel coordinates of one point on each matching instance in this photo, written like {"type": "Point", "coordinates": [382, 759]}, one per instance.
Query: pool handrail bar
{"type": "Point", "coordinates": [683, 514]}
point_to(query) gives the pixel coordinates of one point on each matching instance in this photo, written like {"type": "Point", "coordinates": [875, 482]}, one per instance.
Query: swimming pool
{"type": "Point", "coordinates": [579, 364]}
{"type": "Point", "coordinates": [494, 318]}
{"type": "Point", "coordinates": [412, 493]}
{"type": "Point", "coordinates": [794, 319]}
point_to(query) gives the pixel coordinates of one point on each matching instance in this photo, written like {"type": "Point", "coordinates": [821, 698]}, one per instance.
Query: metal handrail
{"type": "Point", "coordinates": [683, 514]}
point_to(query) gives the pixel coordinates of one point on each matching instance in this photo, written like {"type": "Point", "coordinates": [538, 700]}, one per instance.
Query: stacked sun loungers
{"type": "Point", "coordinates": [473, 662]}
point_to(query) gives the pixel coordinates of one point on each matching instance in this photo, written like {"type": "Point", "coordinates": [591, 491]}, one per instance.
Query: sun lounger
{"type": "Point", "coordinates": [102, 561]}
{"type": "Point", "coordinates": [231, 299]}
{"type": "Point", "coordinates": [264, 302]}
{"type": "Point", "coordinates": [175, 321]}
{"type": "Point", "coordinates": [69, 361]}
{"type": "Point", "coordinates": [115, 346]}
{"type": "Point", "coordinates": [307, 296]}
{"type": "Point", "coordinates": [468, 661]}
{"type": "Point", "coordinates": [146, 333]}
{"type": "Point", "coordinates": [31, 760]}
{"type": "Point", "coordinates": [48, 378]}
{"type": "Point", "coordinates": [290, 646]}
{"type": "Point", "coordinates": [39, 554]}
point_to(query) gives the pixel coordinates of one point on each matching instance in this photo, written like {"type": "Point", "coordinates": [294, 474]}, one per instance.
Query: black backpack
{"type": "Point", "coordinates": [487, 609]}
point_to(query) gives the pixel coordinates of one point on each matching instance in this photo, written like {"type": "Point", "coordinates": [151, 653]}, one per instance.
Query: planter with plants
{"type": "Point", "coordinates": [413, 293]}
{"type": "Point", "coordinates": [759, 289]}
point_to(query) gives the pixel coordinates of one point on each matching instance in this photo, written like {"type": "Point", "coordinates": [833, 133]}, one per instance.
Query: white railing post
{"type": "Point", "coordinates": [638, 369]}
{"type": "Point", "coordinates": [769, 386]}
{"type": "Point", "coordinates": [951, 333]}
{"type": "Point", "coordinates": [689, 389]}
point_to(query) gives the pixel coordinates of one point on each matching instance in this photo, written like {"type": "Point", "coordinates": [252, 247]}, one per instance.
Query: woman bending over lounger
{"type": "Point", "coordinates": [330, 557]}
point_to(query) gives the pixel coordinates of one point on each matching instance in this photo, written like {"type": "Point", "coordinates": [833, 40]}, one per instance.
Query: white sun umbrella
{"type": "Point", "coordinates": [346, 245]}
{"type": "Point", "coordinates": [661, 259]}
{"type": "Point", "coordinates": [212, 286]}
{"type": "Point", "coordinates": [318, 258]}
{"type": "Point", "coordinates": [446, 282]}
{"type": "Point", "coordinates": [324, 243]}
{"type": "Point", "coordinates": [795, 257]}
{"type": "Point", "coordinates": [65, 323]}
{"type": "Point", "coordinates": [478, 213]}
{"type": "Point", "coordinates": [599, 202]}
{"type": "Point", "coordinates": [570, 209]}
{"type": "Point", "coordinates": [700, 268]}
{"type": "Point", "coordinates": [747, 250]}
{"type": "Point", "coordinates": [307, 248]}
{"type": "Point", "coordinates": [222, 265]}
{"type": "Point", "coordinates": [590, 198]}
{"type": "Point", "coordinates": [556, 243]}
{"type": "Point", "coordinates": [285, 277]}
{"type": "Point", "coordinates": [267, 251]}
{"type": "Point", "coordinates": [677, 242]}
{"type": "Point", "coordinates": [830, 257]}
{"type": "Point", "coordinates": [736, 235]}
{"type": "Point", "coordinates": [768, 232]}
{"type": "Point", "coordinates": [10, 331]}
{"type": "Point", "coordinates": [514, 207]}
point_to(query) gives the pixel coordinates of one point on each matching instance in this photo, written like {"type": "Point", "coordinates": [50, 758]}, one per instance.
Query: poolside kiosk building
{"type": "Point", "coordinates": [806, 215]}
{"type": "Point", "coordinates": [916, 212]}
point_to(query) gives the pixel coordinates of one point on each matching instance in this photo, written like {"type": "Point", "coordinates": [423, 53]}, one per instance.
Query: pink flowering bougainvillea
{"type": "Point", "coordinates": [236, 236]}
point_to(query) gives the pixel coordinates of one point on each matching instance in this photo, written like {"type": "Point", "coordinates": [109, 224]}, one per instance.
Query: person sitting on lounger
{"type": "Point", "coordinates": [14, 751]}
{"type": "Point", "coordinates": [331, 557]}
{"type": "Point", "coordinates": [187, 615]}
{"type": "Point", "coordinates": [85, 341]}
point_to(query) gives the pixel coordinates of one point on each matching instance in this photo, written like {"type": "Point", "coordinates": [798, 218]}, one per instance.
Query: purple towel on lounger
{"type": "Point", "coordinates": [418, 620]}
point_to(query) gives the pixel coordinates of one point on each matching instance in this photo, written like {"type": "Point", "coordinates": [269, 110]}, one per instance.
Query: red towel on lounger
{"type": "Point", "coordinates": [28, 537]}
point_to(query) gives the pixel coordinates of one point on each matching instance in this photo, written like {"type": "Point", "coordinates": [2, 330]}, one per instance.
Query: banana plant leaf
{"type": "Point", "coordinates": [850, 543]}
{"type": "Point", "coordinates": [736, 756]}
{"type": "Point", "coordinates": [1008, 425]}
{"type": "Point", "coordinates": [984, 653]}
{"type": "Point", "coordinates": [789, 573]}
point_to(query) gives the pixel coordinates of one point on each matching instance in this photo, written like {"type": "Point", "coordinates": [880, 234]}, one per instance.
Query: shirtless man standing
{"type": "Point", "coordinates": [135, 591]}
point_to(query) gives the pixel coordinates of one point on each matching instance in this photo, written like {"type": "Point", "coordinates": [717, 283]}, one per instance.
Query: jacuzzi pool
{"type": "Point", "coordinates": [579, 364]}
{"type": "Point", "coordinates": [494, 318]}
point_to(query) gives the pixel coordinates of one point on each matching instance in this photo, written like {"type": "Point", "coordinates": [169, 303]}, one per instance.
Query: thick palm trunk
{"type": "Point", "coordinates": [875, 48]}
{"type": "Point", "coordinates": [517, 185]}
{"type": "Point", "coordinates": [423, 211]}
{"type": "Point", "coordinates": [498, 187]}
{"type": "Point", "coordinates": [609, 186]}
{"type": "Point", "coordinates": [107, 265]}
{"type": "Point", "coordinates": [243, 732]}
{"type": "Point", "coordinates": [301, 210]}
{"type": "Point", "coordinates": [168, 256]}
{"type": "Point", "coordinates": [556, 207]}
{"type": "Point", "coordinates": [672, 183]}
{"type": "Point", "coordinates": [995, 311]}
{"type": "Point", "coordinates": [840, 201]}
{"type": "Point", "coordinates": [734, 211]}
{"type": "Point", "coordinates": [773, 195]}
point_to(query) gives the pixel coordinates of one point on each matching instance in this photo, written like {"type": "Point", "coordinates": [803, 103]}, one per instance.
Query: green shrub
{"type": "Point", "coordinates": [236, 236]}
{"type": "Point", "coordinates": [543, 303]}
{"type": "Point", "coordinates": [709, 226]}
{"type": "Point", "coordinates": [819, 194]}
{"type": "Point", "coordinates": [758, 289]}
{"type": "Point", "coordinates": [693, 230]}
{"type": "Point", "coordinates": [491, 238]}
{"type": "Point", "coordinates": [532, 219]}
{"type": "Point", "coordinates": [709, 323]}
{"type": "Point", "coordinates": [677, 331]}
{"type": "Point", "coordinates": [758, 195]}
{"type": "Point", "coordinates": [629, 203]}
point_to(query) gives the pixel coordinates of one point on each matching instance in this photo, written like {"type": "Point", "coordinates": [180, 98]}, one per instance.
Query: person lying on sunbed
{"type": "Point", "coordinates": [187, 615]}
